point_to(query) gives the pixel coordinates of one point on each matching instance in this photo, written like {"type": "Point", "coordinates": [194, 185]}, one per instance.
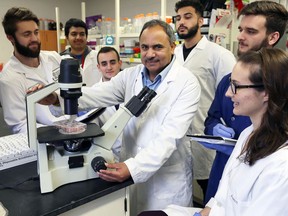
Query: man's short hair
{"type": "Point", "coordinates": [276, 15]}
{"type": "Point", "coordinates": [196, 4]}
{"type": "Point", "coordinates": [107, 49]}
{"type": "Point", "coordinates": [15, 15]}
{"type": "Point", "coordinates": [73, 22]}
{"type": "Point", "coordinates": [165, 26]}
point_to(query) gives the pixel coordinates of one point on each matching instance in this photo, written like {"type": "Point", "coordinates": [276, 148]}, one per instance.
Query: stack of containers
{"type": "Point", "coordinates": [129, 44]}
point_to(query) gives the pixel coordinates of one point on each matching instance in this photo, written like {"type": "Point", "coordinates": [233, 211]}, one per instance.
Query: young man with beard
{"type": "Point", "coordinates": [263, 23]}
{"type": "Point", "coordinates": [27, 67]}
{"type": "Point", "coordinates": [76, 33]}
{"type": "Point", "coordinates": [209, 62]}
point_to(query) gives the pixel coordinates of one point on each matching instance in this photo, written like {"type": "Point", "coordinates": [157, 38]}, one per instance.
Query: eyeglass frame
{"type": "Point", "coordinates": [235, 86]}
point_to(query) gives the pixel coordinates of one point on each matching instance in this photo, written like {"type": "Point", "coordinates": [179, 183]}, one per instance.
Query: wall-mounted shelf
{"type": "Point", "coordinates": [131, 60]}
{"type": "Point", "coordinates": [94, 36]}
{"type": "Point", "coordinates": [129, 35]}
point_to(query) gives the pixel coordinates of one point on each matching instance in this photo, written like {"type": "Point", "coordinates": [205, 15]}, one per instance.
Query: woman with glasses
{"type": "Point", "coordinates": [255, 178]}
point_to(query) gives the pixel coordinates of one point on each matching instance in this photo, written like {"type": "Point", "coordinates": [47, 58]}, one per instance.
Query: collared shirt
{"type": "Point", "coordinates": [159, 78]}
{"type": "Point", "coordinates": [80, 58]}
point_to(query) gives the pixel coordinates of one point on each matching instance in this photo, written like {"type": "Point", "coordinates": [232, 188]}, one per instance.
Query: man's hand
{"type": "Point", "coordinates": [116, 172]}
{"type": "Point", "coordinates": [205, 211]}
{"type": "Point", "coordinates": [48, 100]}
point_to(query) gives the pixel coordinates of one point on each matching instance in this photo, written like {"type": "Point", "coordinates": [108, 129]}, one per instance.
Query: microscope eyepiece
{"type": "Point", "coordinates": [137, 104]}
{"type": "Point", "coordinates": [69, 71]}
{"type": "Point", "coordinates": [70, 83]}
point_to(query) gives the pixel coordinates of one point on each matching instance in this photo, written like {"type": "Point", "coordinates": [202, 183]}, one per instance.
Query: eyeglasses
{"type": "Point", "coordinates": [234, 86]}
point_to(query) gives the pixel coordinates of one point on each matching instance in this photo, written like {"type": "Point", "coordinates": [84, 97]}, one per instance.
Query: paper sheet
{"type": "Point", "coordinates": [14, 151]}
{"type": "Point", "coordinates": [3, 211]}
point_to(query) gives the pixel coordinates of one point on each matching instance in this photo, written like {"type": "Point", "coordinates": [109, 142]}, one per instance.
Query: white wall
{"type": "Point", "coordinates": [72, 8]}
{"type": "Point", "coordinates": [128, 8]}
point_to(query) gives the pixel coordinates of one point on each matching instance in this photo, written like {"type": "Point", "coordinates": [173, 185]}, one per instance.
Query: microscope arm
{"type": "Point", "coordinates": [113, 128]}
{"type": "Point", "coordinates": [31, 100]}
{"type": "Point", "coordinates": [115, 125]}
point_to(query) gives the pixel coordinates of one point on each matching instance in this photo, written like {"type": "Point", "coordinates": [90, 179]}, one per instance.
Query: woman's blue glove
{"type": "Point", "coordinates": [223, 131]}
{"type": "Point", "coordinates": [197, 214]}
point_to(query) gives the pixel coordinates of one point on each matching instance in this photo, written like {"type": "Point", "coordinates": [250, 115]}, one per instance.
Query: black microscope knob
{"type": "Point", "coordinates": [98, 163]}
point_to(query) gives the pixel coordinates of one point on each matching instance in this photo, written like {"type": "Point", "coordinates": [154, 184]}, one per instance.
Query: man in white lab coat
{"type": "Point", "coordinates": [28, 66]}
{"type": "Point", "coordinates": [155, 150]}
{"type": "Point", "coordinates": [209, 62]}
{"type": "Point", "coordinates": [109, 65]}
{"type": "Point", "coordinates": [76, 33]}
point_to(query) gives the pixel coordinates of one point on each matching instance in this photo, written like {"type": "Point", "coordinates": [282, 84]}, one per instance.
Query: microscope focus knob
{"type": "Point", "coordinates": [98, 163]}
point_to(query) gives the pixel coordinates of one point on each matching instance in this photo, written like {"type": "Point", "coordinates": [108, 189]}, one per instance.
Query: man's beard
{"type": "Point", "coordinates": [191, 32]}
{"type": "Point", "coordinates": [26, 51]}
{"type": "Point", "coordinates": [264, 43]}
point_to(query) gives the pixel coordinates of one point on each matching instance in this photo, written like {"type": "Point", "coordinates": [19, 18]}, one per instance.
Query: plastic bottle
{"type": "Point", "coordinates": [41, 24]}
{"type": "Point", "coordinates": [149, 16]}
{"type": "Point", "coordinates": [103, 27]}
{"type": "Point", "coordinates": [141, 22]}
{"type": "Point", "coordinates": [108, 23]}
{"type": "Point", "coordinates": [124, 24]}
{"type": "Point", "coordinates": [130, 28]}
{"type": "Point", "coordinates": [136, 23]}
{"type": "Point", "coordinates": [113, 26]}
{"type": "Point", "coordinates": [169, 21]}
{"type": "Point", "coordinates": [99, 25]}
{"type": "Point", "coordinates": [155, 15]}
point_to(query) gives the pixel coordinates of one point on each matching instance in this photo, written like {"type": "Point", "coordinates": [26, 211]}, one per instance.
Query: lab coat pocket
{"type": "Point", "coordinates": [240, 206]}
{"type": "Point", "coordinates": [170, 181]}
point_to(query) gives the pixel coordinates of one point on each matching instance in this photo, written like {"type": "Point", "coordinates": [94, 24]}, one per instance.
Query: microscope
{"type": "Point", "coordinates": [71, 157]}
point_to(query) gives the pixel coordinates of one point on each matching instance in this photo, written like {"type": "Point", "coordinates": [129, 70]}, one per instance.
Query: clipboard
{"type": "Point", "coordinates": [212, 139]}
{"type": "Point", "coordinates": [91, 115]}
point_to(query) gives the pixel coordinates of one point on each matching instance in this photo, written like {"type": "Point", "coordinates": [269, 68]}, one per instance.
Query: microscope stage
{"type": "Point", "coordinates": [52, 134]}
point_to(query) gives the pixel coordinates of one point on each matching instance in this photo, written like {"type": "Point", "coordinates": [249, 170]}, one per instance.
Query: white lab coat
{"type": "Point", "coordinates": [90, 73]}
{"type": "Point", "coordinates": [209, 62]}
{"type": "Point", "coordinates": [15, 80]}
{"type": "Point", "coordinates": [260, 189]}
{"type": "Point", "coordinates": [155, 147]}
{"type": "Point", "coordinates": [246, 190]}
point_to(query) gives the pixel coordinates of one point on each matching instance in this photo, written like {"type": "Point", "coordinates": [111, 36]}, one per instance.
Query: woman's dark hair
{"type": "Point", "coordinates": [269, 66]}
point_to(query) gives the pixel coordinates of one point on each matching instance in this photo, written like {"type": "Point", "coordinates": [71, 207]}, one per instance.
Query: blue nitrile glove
{"type": "Point", "coordinates": [226, 149]}
{"type": "Point", "coordinates": [223, 131]}
{"type": "Point", "coordinates": [197, 214]}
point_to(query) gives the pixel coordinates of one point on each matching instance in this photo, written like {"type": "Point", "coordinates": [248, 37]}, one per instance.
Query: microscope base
{"type": "Point", "coordinates": [56, 171]}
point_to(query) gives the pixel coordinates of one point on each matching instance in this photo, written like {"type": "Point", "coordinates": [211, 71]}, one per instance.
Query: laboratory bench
{"type": "Point", "coordinates": [90, 197]}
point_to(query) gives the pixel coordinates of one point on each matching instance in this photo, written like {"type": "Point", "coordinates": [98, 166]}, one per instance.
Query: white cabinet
{"type": "Point", "coordinates": [115, 203]}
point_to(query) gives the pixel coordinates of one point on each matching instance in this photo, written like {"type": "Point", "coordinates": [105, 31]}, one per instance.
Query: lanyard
{"type": "Point", "coordinates": [82, 60]}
